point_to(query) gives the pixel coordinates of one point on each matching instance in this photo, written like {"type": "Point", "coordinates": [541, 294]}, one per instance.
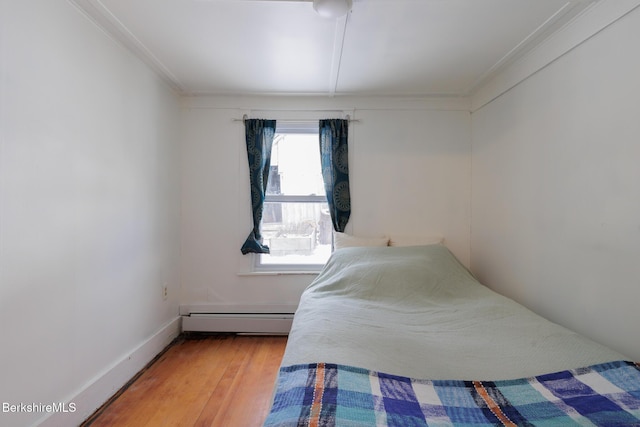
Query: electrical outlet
{"type": "Point", "coordinates": [165, 292]}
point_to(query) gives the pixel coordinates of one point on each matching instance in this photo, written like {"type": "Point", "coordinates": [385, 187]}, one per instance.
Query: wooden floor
{"type": "Point", "coordinates": [211, 380]}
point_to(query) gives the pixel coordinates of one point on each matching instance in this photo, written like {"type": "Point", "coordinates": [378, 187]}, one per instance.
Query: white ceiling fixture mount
{"type": "Point", "coordinates": [332, 8]}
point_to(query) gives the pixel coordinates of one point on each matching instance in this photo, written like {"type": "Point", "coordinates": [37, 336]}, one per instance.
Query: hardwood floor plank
{"type": "Point", "coordinates": [223, 395]}
{"type": "Point", "coordinates": [216, 380]}
{"type": "Point", "coordinates": [184, 391]}
{"type": "Point", "coordinates": [188, 389]}
{"type": "Point", "coordinates": [247, 399]}
{"type": "Point", "coordinates": [153, 390]}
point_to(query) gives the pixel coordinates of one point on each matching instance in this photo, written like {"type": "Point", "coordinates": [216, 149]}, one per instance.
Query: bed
{"type": "Point", "coordinates": [406, 336]}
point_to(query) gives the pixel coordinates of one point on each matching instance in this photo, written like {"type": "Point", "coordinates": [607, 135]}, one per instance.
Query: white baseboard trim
{"type": "Point", "coordinates": [97, 391]}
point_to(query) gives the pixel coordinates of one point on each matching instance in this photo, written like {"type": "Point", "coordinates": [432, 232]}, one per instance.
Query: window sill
{"type": "Point", "coordinates": [280, 273]}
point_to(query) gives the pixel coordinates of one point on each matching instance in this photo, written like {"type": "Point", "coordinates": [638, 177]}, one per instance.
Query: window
{"type": "Point", "coordinates": [296, 224]}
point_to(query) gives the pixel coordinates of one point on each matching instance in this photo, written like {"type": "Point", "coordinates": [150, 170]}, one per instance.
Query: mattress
{"type": "Point", "coordinates": [417, 311]}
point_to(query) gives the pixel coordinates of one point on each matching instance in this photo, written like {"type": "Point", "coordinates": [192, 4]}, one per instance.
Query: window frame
{"type": "Point", "coordinates": [309, 127]}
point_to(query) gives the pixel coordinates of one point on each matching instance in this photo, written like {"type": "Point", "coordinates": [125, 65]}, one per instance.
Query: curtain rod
{"type": "Point", "coordinates": [245, 117]}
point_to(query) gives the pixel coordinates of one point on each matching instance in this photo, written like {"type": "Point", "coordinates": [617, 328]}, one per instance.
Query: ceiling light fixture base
{"type": "Point", "coordinates": [332, 8]}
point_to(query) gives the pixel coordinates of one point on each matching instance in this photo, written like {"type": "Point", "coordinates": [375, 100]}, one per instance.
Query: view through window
{"type": "Point", "coordinates": [296, 224]}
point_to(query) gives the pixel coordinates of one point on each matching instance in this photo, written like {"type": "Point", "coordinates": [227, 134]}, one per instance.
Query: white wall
{"type": "Point", "coordinates": [409, 173]}
{"type": "Point", "coordinates": [88, 206]}
{"type": "Point", "coordinates": [555, 196]}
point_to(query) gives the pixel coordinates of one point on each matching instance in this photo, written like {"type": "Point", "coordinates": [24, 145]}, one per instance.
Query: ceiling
{"type": "Point", "coordinates": [382, 47]}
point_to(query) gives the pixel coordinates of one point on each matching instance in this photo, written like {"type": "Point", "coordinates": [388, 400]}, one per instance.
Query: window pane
{"type": "Point", "coordinates": [296, 224]}
{"type": "Point", "coordinates": [295, 166]}
{"type": "Point", "coordinates": [296, 233]}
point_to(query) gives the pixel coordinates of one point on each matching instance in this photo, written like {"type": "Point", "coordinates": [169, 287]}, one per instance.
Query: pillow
{"type": "Point", "coordinates": [343, 240]}
{"type": "Point", "coordinates": [415, 240]}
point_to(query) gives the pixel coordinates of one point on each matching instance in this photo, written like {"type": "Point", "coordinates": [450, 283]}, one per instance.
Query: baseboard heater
{"type": "Point", "coordinates": [250, 323]}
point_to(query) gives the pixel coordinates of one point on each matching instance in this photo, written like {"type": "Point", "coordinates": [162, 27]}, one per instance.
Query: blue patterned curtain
{"type": "Point", "coordinates": [259, 138]}
{"type": "Point", "coordinates": [335, 169]}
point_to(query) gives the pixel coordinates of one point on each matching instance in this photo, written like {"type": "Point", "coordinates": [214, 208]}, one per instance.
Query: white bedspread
{"type": "Point", "coordinates": [417, 312]}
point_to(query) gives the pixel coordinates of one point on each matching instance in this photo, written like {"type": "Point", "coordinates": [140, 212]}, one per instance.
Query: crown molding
{"type": "Point", "coordinates": [101, 17]}
{"type": "Point", "coordinates": [591, 21]}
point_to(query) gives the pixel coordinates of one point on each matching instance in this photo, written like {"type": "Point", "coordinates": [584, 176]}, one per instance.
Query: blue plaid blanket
{"type": "Point", "coordinates": [335, 395]}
